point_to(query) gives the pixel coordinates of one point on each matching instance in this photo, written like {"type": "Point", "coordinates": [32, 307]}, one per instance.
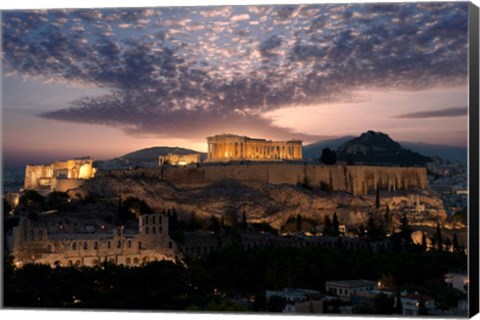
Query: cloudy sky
{"type": "Point", "coordinates": [106, 82]}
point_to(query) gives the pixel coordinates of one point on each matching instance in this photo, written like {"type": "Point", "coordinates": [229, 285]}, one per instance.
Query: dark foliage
{"type": "Point", "coordinates": [328, 157]}
{"type": "Point", "coordinates": [228, 272]}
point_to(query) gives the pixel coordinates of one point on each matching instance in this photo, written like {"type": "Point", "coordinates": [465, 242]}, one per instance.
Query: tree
{"type": "Point", "coordinates": [336, 225]}
{"type": "Point", "coordinates": [383, 304]}
{"type": "Point", "coordinates": [361, 231]}
{"type": "Point", "coordinates": [136, 206]}
{"type": "Point", "coordinates": [194, 223]}
{"type": "Point", "coordinates": [455, 243]}
{"type": "Point", "coordinates": [438, 237]}
{"type": "Point", "coordinates": [377, 197]}
{"type": "Point", "coordinates": [6, 206]}
{"type": "Point", "coordinates": [244, 224]}
{"type": "Point", "coordinates": [405, 229]}
{"type": "Point", "coordinates": [32, 200]}
{"type": "Point", "coordinates": [388, 220]}
{"type": "Point", "coordinates": [214, 225]}
{"type": "Point", "coordinates": [327, 226]}
{"type": "Point", "coordinates": [275, 304]}
{"type": "Point", "coordinates": [298, 223]}
{"type": "Point", "coordinates": [173, 220]}
{"type": "Point", "coordinates": [371, 227]}
{"type": "Point", "coordinates": [422, 310]}
{"type": "Point", "coordinates": [398, 305]}
{"type": "Point", "coordinates": [328, 157]}
{"type": "Point", "coordinates": [424, 242]}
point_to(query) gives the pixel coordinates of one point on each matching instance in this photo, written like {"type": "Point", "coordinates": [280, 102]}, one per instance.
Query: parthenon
{"type": "Point", "coordinates": [230, 147]}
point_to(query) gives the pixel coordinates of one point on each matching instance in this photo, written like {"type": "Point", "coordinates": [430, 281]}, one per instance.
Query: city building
{"type": "Point", "coordinates": [412, 303]}
{"type": "Point", "coordinates": [230, 147]}
{"type": "Point", "coordinates": [59, 176]}
{"type": "Point", "coordinates": [292, 296]}
{"type": "Point", "coordinates": [458, 281]}
{"type": "Point", "coordinates": [179, 159]}
{"type": "Point", "coordinates": [344, 289]}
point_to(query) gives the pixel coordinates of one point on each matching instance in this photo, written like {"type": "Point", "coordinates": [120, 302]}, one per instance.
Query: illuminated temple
{"type": "Point", "coordinates": [230, 147]}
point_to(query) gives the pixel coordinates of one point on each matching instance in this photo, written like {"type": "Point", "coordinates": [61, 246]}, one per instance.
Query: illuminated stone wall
{"type": "Point", "coordinates": [356, 180]}
{"type": "Point", "coordinates": [34, 244]}
{"type": "Point", "coordinates": [179, 159]}
{"type": "Point", "coordinates": [230, 147]}
{"type": "Point", "coordinates": [59, 176]}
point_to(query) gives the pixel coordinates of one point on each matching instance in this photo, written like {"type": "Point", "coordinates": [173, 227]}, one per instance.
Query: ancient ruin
{"type": "Point", "coordinates": [179, 159]}
{"type": "Point", "coordinates": [62, 242]}
{"type": "Point", "coordinates": [59, 176]}
{"type": "Point", "coordinates": [230, 147]}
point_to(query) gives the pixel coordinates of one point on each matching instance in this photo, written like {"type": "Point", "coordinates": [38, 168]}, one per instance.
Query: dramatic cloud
{"type": "Point", "coordinates": [444, 113]}
{"type": "Point", "coordinates": [183, 70]}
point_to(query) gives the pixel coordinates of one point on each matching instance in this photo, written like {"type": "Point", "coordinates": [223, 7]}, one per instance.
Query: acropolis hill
{"type": "Point", "coordinates": [267, 179]}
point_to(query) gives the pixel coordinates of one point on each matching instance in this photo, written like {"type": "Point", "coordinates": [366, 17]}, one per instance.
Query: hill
{"type": "Point", "coordinates": [147, 157]}
{"type": "Point", "coordinates": [435, 150]}
{"type": "Point", "coordinates": [378, 148]}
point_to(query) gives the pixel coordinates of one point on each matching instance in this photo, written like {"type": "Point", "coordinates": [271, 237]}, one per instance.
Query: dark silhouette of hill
{"type": "Point", "coordinates": [378, 148]}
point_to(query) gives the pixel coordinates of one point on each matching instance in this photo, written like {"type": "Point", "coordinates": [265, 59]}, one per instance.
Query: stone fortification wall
{"type": "Point", "coordinates": [63, 185]}
{"type": "Point", "coordinates": [34, 175]}
{"type": "Point", "coordinates": [353, 179]}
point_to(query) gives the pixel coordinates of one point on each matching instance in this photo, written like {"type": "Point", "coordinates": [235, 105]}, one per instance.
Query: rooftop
{"type": "Point", "coordinates": [351, 283]}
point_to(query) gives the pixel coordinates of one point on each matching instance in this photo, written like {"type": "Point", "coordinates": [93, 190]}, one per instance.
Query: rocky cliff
{"type": "Point", "coordinates": [275, 193]}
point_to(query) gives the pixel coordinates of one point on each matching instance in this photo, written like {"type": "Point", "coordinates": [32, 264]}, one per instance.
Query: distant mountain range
{"type": "Point", "coordinates": [314, 151]}
{"type": "Point", "coordinates": [435, 150]}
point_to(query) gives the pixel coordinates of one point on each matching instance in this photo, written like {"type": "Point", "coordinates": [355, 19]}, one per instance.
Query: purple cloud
{"type": "Point", "coordinates": [443, 113]}
{"type": "Point", "coordinates": [191, 68]}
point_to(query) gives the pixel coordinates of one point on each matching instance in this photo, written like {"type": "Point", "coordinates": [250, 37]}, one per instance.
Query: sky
{"type": "Point", "coordinates": [105, 82]}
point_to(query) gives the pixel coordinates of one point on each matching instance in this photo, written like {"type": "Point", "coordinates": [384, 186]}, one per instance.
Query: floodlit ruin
{"type": "Point", "coordinates": [179, 159]}
{"type": "Point", "coordinates": [59, 176]}
{"type": "Point", "coordinates": [64, 242]}
{"type": "Point", "coordinates": [230, 147]}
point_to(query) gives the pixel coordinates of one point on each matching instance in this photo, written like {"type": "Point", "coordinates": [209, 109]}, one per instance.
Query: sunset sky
{"type": "Point", "coordinates": [106, 82]}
